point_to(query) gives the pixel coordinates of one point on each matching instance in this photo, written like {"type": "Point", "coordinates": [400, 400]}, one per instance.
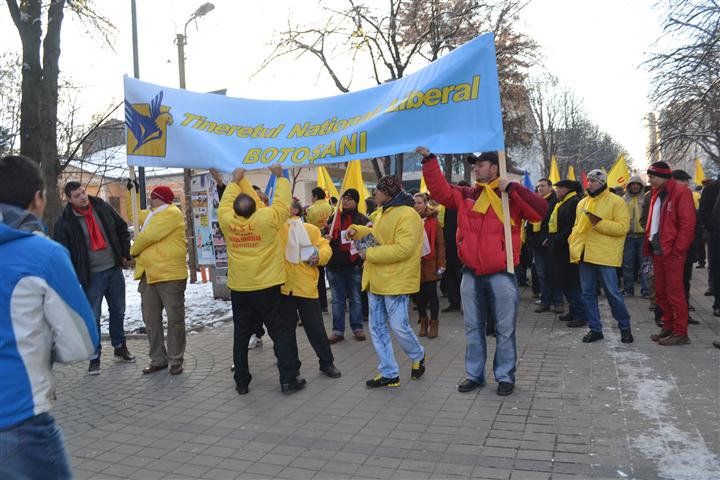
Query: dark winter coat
{"type": "Point", "coordinates": [341, 259]}
{"type": "Point", "coordinates": [450, 233]}
{"type": "Point", "coordinates": [563, 274]}
{"type": "Point", "coordinates": [69, 233]}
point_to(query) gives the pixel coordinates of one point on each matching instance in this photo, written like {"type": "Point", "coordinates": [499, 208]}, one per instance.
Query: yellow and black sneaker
{"type": "Point", "coordinates": [380, 381]}
{"type": "Point", "coordinates": [418, 368]}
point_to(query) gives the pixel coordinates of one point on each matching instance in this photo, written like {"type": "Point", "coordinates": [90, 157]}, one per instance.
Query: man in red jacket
{"type": "Point", "coordinates": [670, 231]}
{"type": "Point", "coordinates": [486, 283]}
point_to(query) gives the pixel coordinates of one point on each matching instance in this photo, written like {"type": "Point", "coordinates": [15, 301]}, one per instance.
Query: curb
{"type": "Point", "coordinates": [196, 328]}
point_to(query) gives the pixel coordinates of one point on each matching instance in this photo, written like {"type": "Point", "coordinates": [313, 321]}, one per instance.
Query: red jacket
{"type": "Point", "coordinates": [480, 237]}
{"type": "Point", "coordinates": [677, 220]}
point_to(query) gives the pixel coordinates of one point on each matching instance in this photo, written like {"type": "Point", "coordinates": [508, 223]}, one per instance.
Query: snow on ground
{"type": "Point", "coordinates": [200, 306]}
{"type": "Point", "coordinates": [680, 454]}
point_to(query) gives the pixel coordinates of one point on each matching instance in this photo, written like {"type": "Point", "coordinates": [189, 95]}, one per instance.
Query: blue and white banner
{"type": "Point", "coordinates": [451, 106]}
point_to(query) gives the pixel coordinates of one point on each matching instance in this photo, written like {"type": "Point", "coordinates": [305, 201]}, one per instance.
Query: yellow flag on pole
{"type": "Point", "coordinates": [325, 182]}
{"type": "Point", "coordinates": [699, 173]}
{"type": "Point", "coordinates": [423, 186]}
{"type": "Point", "coordinates": [353, 179]}
{"type": "Point", "coordinates": [554, 176]}
{"type": "Point", "coordinates": [571, 173]}
{"type": "Point", "coordinates": [618, 175]}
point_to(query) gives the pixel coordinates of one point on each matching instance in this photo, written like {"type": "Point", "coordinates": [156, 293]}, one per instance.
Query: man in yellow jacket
{"type": "Point", "coordinates": [159, 251]}
{"type": "Point", "coordinates": [597, 242]}
{"type": "Point", "coordinates": [305, 250]}
{"type": "Point", "coordinates": [317, 214]}
{"type": "Point", "coordinates": [255, 273]}
{"type": "Point", "coordinates": [390, 275]}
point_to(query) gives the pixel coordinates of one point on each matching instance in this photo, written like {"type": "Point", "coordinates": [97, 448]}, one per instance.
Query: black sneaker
{"type": "Point", "coordinates": [692, 321]}
{"type": "Point", "coordinates": [331, 371]}
{"type": "Point", "coordinates": [626, 336]}
{"type": "Point", "coordinates": [94, 368]}
{"type": "Point", "coordinates": [296, 385]}
{"type": "Point", "coordinates": [380, 381]}
{"type": "Point", "coordinates": [576, 323]}
{"type": "Point", "coordinates": [451, 308]}
{"type": "Point", "coordinates": [468, 386]}
{"type": "Point", "coordinates": [123, 355]}
{"type": "Point", "coordinates": [505, 388]}
{"type": "Point", "coordinates": [418, 368]}
{"type": "Point", "coordinates": [592, 336]}
{"type": "Point", "coordinates": [565, 318]}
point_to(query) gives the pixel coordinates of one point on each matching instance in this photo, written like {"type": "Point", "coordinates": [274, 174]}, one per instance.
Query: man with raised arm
{"type": "Point", "coordinates": [486, 283]}
{"type": "Point", "coordinates": [256, 271]}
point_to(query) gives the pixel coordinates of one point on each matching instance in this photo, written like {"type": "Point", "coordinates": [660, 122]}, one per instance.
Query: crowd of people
{"type": "Point", "coordinates": [577, 243]}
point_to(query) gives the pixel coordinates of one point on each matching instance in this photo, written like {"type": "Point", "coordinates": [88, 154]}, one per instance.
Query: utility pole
{"type": "Point", "coordinates": [136, 74]}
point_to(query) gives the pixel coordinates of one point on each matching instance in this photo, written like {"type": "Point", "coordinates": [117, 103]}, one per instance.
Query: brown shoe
{"type": "Point", "coordinates": [359, 336]}
{"type": "Point", "coordinates": [674, 340]}
{"type": "Point", "coordinates": [434, 324]}
{"type": "Point", "coordinates": [423, 327]}
{"type": "Point", "coordinates": [333, 339]}
{"type": "Point", "coordinates": [153, 369]}
{"type": "Point", "coordinates": [176, 370]}
{"type": "Point", "coordinates": [663, 333]}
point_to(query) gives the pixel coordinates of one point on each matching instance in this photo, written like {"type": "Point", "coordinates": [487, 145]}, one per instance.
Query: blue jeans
{"type": "Point", "coordinates": [33, 448]}
{"type": "Point", "coordinates": [346, 284]}
{"type": "Point", "coordinates": [632, 263]}
{"type": "Point", "coordinates": [392, 309]}
{"type": "Point", "coordinates": [111, 285]}
{"type": "Point", "coordinates": [589, 275]}
{"type": "Point", "coordinates": [480, 293]}
{"type": "Point", "coordinates": [548, 294]}
{"type": "Point", "coordinates": [574, 298]}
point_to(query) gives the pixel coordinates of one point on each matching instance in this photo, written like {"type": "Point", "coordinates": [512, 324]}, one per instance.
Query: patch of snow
{"type": "Point", "coordinates": [679, 454]}
{"type": "Point", "coordinates": [200, 306]}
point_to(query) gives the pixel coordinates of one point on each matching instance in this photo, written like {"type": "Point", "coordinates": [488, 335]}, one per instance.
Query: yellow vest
{"type": "Point", "coordinates": [302, 279]}
{"type": "Point", "coordinates": [393, 267]}
{"type": "Point", "coordinates": [161, 248]}
{"type": "Point", "coordinates": [255, 255]}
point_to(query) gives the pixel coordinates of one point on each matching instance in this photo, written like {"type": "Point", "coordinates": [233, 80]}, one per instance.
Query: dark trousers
{"type": "Point", "coordinates": [452, 277]}
{"type": "Point", "coordinates": [687, 276]}
{"type": "Point", "coordinates": [312, 321]}
{"type": "Point", "coordinates": [322, 289]}
{"type": "Point", "coordinates": [426, 298]}
{"type": "Point", "coordinates": [250, 311]}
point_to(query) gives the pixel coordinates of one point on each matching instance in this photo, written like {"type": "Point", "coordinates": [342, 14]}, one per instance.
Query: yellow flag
{"type": "Point", "coordinates": [325, 182]}
{"type": "Point", "coordinates": [554, 176]}
{"type": "Point", "coordinates": [618, 175]}
{"type": "Point", "coordinates": [571, 173]}
{"type": "Point", "coordinates": [699, 173]}
{"type": "Point", "coordinates": [353, 179]}
{"type": "Point", "coordinates": [423, 187]}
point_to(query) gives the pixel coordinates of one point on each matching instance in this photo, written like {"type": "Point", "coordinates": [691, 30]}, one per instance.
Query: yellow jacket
{"type": "Point", "coordinates": [160, 250]}
{"type": "Point", "coordinates": [393, 267]}
{"type": "Point", "coordinates": [302, 279]}
{"type": "Point", "coordinates": [255, 256]}
{"type": "Point", "coordinates": [318, 213]}
{"type": "Point", "coordinates": [602, 244]}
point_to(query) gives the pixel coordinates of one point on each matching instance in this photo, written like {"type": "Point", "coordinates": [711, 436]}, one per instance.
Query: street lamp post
{"type": "Point", "coordinates": [181, 41]}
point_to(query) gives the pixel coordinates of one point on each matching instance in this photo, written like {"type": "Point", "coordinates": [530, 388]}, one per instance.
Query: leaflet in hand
{"type": "Point", "coordinates": [363, 244]}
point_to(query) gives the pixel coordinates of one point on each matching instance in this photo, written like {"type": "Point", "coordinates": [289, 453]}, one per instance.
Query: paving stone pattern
{"type": "Point", "coordinates": [604, 410]}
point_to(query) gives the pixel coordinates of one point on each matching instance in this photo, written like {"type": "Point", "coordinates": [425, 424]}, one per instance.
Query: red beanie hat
{"type": "Point", "coordinates": [161, 192]}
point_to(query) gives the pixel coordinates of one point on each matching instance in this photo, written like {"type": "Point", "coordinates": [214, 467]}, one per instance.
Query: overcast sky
{"type": "Point", "coordinates": [594, 47]}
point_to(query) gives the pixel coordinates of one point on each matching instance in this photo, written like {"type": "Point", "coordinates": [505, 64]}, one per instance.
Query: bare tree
{"type": "Point", "coordinates": [686, 79]}
{"type": "Point", "coordinates": [40, 71]}
{"type": "Point", "coordinates": [390, 40]}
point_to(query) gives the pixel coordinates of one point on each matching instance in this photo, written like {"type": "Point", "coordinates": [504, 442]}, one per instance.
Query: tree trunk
{"type": "Point", "coordinates": [448, 166]}
{"type": "Point", "coordinates": [399, 165]}
{"type": "Point", "coordinates": [386, 165]}
{"type": "Point", "coordinates": [467, 172]}
{"type": "Point", "coordinates": [376, 168]}
{"type": "Point", "coordinates": [49, 162]}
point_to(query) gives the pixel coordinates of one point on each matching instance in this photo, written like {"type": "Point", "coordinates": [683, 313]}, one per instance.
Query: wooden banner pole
{"type": "Point", "coordinates": [509, 259]}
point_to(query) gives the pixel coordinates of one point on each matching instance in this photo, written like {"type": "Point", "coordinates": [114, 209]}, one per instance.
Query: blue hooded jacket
{"type": "Point", "coordinates": [44, 316]}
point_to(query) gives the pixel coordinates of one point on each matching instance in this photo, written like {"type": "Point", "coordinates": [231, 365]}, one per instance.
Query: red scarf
{"type": "Point", "coordinates": [343, 224]}
{"type": "Point", "coordinates": [97, 241]}
{"type": "Point", "coordinates": [430, 225]}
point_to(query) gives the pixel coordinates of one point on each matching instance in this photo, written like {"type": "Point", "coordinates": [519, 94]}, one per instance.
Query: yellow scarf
{"type": "Point", "coordinates": [635, 213]}
{"type": "Point", "coordinates": [552, 224]}
{"type": "Point", "coordinates": [537, 226]}
{"type": "Point", "coordinates": [488, 198]}
{"type": "Point", "coordinates": [584, 223]}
